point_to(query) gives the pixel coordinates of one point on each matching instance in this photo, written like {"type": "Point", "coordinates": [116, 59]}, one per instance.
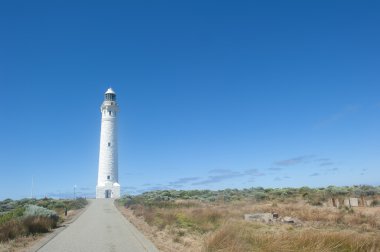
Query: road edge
{"type": "Point", "coordinates": [144, 241]}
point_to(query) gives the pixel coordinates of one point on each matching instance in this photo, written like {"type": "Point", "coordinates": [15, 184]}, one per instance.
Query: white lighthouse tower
{"type": "Point", "coordinates": [108, 180]}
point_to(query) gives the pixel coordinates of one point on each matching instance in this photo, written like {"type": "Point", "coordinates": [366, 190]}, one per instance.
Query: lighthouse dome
{"type": "Point", "coordinates": [110, 95]}
{"type": "Point", "coordinates": [110, 91]}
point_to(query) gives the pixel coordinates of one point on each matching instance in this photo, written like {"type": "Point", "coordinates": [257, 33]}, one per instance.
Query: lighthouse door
{"type": "Point", "coordinates": [108, 194]}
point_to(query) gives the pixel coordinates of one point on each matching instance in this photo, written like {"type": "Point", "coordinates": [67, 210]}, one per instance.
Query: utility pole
{"type": "Point", "coordinates": [31, 191]}
{"type": "Point", "coordinates": [75, 186]}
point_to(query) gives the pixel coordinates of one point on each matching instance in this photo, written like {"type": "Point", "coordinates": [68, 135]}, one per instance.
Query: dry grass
{"type": "Point", "coordinates": [38, 224]}
{"type": "Point", "coordinates": [242, 236]}
{"type": "Point", "coordinates": [11, 229]}
{"type": "Point", "coordinates": [21, 227]}
{"type": "Point", "coordinates": [320, 215]}
{"type": "Point", "coordinates": [219, 226]}
{"type": "Point", "coordinates": [196, 218]}
{"type": "Point", "coordinates": [19, 244]}
{"type": "Point", "coordinates": [169, 239]}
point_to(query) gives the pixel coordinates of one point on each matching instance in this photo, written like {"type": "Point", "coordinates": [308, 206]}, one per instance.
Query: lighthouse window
{"type": "Point", "coordinates": [108, 177]}
{"type": "Point", "coordinates": [109, 144]}
{"type": "Point", "coordinates": [109, 112]}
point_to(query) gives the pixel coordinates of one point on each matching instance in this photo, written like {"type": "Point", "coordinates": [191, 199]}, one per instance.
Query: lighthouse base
{"type": "Point", "coordinates": [108, 190]}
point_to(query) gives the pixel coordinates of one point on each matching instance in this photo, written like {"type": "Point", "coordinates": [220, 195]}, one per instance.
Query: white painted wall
{"type": "Point", "coordinates": [108, 177]}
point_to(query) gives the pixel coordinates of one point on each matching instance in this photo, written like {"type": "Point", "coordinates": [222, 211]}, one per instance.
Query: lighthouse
{"type": "Point", "coordinates": [108, 180]}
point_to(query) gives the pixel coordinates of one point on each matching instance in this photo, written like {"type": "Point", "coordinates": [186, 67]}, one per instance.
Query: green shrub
{"type": "Point", "coordinates": [315, 196]}
{"type": "Point", "coordinates": [260, 196]}
{"type": "Point", "coordinates": [11, 215]}
{"type": "Point", "coordinates": [56, 204]}
{"type": "Point", "coordinates": [77, 203]}
{"type": "Point", "coordinates": [7, 205]}
{"type": "Point", "coordinates": [183, 221]}
{"type": "Point", "coordinates": [30, 216]}
{"type": "Point", "coordinates": [37, 211]}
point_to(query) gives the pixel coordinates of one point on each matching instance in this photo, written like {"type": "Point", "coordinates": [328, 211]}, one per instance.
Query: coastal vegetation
{"type": "Point", "coordinates": [30, 217]}
{"type": "Point", "coordinates": [204, 220]}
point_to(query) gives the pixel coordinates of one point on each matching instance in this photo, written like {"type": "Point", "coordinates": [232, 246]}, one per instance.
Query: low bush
{"type": "Point", "coordinates": [316, 196]}
{"type": "Point", "coordinates": [76, 204]}
{"type": "Point", "coordinates": [31, 216]}
{"type": "Point", "coordinates": [39, 224]}
{"type": "Point", "coordinates": [37, 211]}
{"type": "Point", "coordinates": [11, 215]}
{"type": "Point", "coordinates": [25, 226]}
{"type": "Point", "coordinates": [11, 229]}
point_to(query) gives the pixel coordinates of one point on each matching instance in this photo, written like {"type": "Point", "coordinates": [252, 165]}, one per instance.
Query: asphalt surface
{"type": "Point", "coordinates": [100, 228]}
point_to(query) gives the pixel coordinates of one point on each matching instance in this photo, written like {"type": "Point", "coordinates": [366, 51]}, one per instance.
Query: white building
{"type": "Point", "coordinates": [108, 179]}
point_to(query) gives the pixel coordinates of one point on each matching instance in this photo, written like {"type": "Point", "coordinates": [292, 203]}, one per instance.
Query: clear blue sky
{"type": "Point", "coordinates": [212, 94]}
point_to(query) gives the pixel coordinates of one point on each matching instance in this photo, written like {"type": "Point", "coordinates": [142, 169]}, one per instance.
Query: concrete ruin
{"type": "Point", "coordinates": [354, 202]}
{"type": "Point", "coordinates": [349, 202]}
{"type": "Point", "coordinates": [271, 218]}
{"type": "Point", "coordinates": [346, 203]}
{"type": "Point", "coordinates": [263, 217]}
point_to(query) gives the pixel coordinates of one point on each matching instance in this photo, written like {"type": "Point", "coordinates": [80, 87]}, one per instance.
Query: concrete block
{"type": "Point", "coordinates": [336, 203]}
{"type": "Point", "coordinates": [291, 220]}
{"type": "Point", "coordinates": [354, 202]}
{"type": "Point", "coordinates": [263, 217]}
{"type": "Point", "coordinates": [346, 202]}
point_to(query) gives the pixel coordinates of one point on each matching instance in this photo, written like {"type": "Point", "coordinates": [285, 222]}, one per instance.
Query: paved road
{"type": "Point", "coordinates": [100, 228]}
